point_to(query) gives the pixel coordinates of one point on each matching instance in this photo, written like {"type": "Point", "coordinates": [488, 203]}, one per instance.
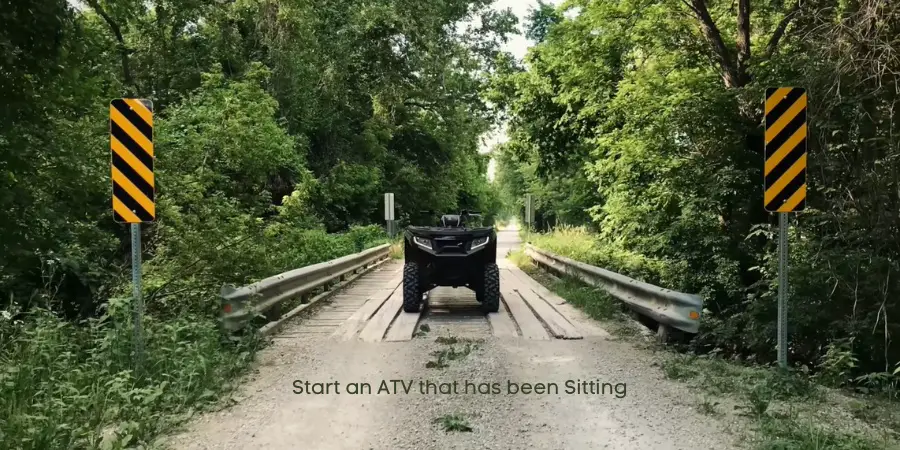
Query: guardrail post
{"type": "Point", "coordinates": [273, 313]}
{"type": "Point", "coordinates": [662, 333]}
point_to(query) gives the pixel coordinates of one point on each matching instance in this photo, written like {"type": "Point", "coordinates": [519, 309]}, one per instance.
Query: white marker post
{"type": "Point", "coordinates": [389, 214]}
{"type": "Point", "coordinates": [529, 215]}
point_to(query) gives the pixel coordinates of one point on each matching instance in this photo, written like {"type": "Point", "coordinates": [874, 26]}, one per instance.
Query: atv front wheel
{"type": "Point", "coordinates": [412, 295]}
{"type": "Point", "coordinates": [490, 289]}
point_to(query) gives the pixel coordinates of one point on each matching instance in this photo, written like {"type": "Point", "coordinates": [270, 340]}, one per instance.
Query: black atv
{"type": "Point", "coordinates": [451, 254]}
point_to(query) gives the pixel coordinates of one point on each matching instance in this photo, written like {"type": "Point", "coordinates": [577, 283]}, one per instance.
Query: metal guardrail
{"type": "Point", "coordinates": [668, 308]}
{"type": "Point", "coordinates": [240, 305]}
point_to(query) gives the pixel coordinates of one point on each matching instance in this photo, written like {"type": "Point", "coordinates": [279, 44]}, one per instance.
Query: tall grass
{"type": "Point", "coordinates": [580, 244]}
{"type": "Point", "coordinates": [74, 385]}
{"type": "Point", "coordinates": [65, 385]}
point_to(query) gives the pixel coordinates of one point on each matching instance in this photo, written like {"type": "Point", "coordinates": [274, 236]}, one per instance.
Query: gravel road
{"type": "Point", "coordinates": [649, 411]}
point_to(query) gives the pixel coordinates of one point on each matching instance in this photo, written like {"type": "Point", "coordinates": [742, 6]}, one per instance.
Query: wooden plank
{"type": "Point", "coordinates": [529, 324]}
{"type": "Point", "coordinates": [575, 316]}
{"type": "Point", "coordinates": [537, 287]}
{"type": "Point", "coordinates": [377, 326]}
{"type": "Point", "coordinates": [559, 327]}
{"type": "Point", "coordinates": [501, 323]}
{"type": "Point", "coordinates": [404, 327]}
{"type": "Point", "coordinates": [347, 330]}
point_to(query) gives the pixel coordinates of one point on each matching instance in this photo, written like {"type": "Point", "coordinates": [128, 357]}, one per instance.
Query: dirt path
{"type": "Point", "coordinates": [651, 412]}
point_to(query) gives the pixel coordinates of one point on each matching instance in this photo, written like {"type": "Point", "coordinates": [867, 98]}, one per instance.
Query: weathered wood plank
{"type": "Point", "coordinates": [501, 323]}
{"type": "Point", "coordinates": [347, 330]}
{"type": "Point", "coordinates": [559, 327]}
{"type": "Point", "coordinates": [584, 324]}
{"type": "Point", "coordinates": [378, 325]}
{"type": "Point", "coordinates": [529, 324]}
{"type": "Point", "coordinates": [404, 327]}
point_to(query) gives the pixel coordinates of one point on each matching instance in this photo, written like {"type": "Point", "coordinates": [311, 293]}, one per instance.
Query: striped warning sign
{"type": "Point", "coordinates": [785, 165]}
{"type": "Point", "coordinates": [131, 141]}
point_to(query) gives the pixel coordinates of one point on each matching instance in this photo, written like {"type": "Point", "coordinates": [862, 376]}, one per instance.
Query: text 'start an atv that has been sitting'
{"type": "Point", "coordinates": [451, 254]}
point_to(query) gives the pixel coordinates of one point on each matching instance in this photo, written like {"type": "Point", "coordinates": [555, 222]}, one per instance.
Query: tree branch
{"type": "Point", "coordinates": [743, 38]}
{"type": "Point", "coordinates": [123, 50]}
{"type": "Point", "coordinates": [781, 28]}
{"type": "Point", "coordinates": [417, 103]}
{"type": "Point", "coordinates": [712, 34]}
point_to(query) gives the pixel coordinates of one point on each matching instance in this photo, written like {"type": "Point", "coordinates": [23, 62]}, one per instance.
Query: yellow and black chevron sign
{"type": "Point", "coordinates": [131, 141]}
{"type": "Point", "coordinates": [785, 166]}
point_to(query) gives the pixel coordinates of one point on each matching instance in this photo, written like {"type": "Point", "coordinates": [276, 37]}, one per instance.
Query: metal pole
{"type": "Point", "coordinates": [782, 288]}
{"type": "Point", "coordinates": [138, 306]}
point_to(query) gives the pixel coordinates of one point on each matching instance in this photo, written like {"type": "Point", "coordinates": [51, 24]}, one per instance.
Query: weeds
{"type": "Point", "coordinates": [64, 385]}
{"type": "Point", "coordinates": [452, 340]}
{"type": "Point", "coordinates": [718, 376]}
{"type": "Point", "coordinates": [520, 259]}
{"type": "Point", "coordinates": [595, 302]}
{"type": "Point", "coordinates": [396, 249]}
{"type": "Point", "coordinates": [423, 330]}
{"type": "Point", "coordinates": [451, 353]}
{"type": "Point", "coordinates": [708, 407]}
{"type": "Point", "coordinates": [792, 433]}
{"type": "Point", "coordinates": [454, 422]}
{"type": "Point", "coordinates": [758, 400]}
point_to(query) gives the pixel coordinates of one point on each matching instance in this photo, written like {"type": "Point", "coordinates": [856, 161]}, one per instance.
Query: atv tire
{"type": "Point", "coordinates": [490, 289]}
{"type": "Point", "coordinates": [412, 295]}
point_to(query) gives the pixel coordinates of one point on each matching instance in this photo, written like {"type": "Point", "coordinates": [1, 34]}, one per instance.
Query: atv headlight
{"type": "Point", "coordinates": [480, 242]}
{"type": "Point", "coordinates": [422, 241]}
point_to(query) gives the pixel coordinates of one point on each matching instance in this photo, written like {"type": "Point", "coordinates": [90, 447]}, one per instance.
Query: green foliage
{"type": "Point", "coordinates": [838, 362]}
{"type": "Point", "coordinates": [454, 422]}
{"type": "Point", "coordinates": [632, 123]}
{"type": "Point", "coordinates": [278, 126]}
{"type": "Point", "coordinates": [780, 433]}
{"type": "Point", "coordinates": [66, 385]}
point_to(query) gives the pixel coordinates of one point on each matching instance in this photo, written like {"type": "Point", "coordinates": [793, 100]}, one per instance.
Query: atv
{"type": "Point", "coordinates": [451, 254]}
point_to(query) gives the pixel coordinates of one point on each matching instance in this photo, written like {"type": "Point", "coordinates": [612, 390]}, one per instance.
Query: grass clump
{"type": "Point", "coordinates": [520, 259]}
{"type": "Point", "coordinates": [708, 407]}
{"type": "Point", "coordinates": [452, 352]}
{"type": "Point", "coordinates": [454, 423]}
{"type": "Point", "coordinates": [396, 249]}
{"type": "Point", "coordinates": [65, 385]}
{"type": "Point", "coordinates": [762, 393]}
{"type": "Point", "coordinates": [452, 340]}
{"type": "Point", "coordinates": [718, 376]}
{"type": "Point", "coordinates": [423, 330]}
{"type": "Point", "coordinates": [792, 433]}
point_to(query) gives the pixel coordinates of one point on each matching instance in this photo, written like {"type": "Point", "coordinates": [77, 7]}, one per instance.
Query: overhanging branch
{"type": "Point", "coordinates": [772, 47]}
{"type": "Point", "coordinates": [729, 71]}
{"type": "Point", "coordinates": [124, 52]}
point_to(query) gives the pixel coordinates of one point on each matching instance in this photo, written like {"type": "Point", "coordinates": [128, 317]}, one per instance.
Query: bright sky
{"type": "Point", "coordinates": [517, 45]}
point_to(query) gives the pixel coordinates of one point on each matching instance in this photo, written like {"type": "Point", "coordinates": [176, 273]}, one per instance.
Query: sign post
{"type": "Point", "coordinates": [389, 214]}
{"type": "Point", "coordinates": [133, 189]}
{"type": "Point", "coordinates": [529, 215]}
{"type": "Point", "coordinates": [785, 181]}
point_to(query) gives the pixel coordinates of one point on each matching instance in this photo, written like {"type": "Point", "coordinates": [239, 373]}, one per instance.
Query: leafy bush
{"type": "Point", "coordinates": [364, 237]}
{"type": "Point", "coordinates": [65, 385]}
